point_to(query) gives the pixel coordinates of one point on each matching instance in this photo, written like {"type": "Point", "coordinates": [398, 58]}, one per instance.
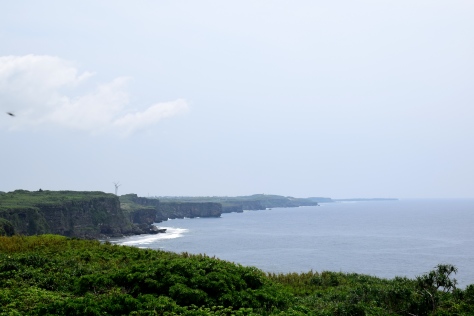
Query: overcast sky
{"type": "Point", "coordinates": [303, 98]}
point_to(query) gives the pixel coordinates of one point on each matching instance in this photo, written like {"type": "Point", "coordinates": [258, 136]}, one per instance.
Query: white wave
{"type": "Point", "coordinates": [171, 233]}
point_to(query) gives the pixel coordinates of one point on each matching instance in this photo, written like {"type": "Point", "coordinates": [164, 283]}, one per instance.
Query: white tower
{"type": "Point", "coordinates": [117, 184]}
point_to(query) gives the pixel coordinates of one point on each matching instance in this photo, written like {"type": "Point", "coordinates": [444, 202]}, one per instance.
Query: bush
{"type": "Point", "coordinates": [54, 275]}
{"type": "Point", "coordinates": [6, 228]}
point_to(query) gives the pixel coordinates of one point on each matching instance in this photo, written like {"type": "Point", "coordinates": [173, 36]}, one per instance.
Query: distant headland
{"type": "Point", "coordinates": [94, 215]}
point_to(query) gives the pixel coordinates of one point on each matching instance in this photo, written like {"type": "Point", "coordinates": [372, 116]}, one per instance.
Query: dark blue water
{"type": "Point", "coordinates": [382, 238]}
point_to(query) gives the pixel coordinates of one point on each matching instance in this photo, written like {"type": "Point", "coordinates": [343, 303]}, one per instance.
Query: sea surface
{"type": "Point", "coordinates": [380, 238]}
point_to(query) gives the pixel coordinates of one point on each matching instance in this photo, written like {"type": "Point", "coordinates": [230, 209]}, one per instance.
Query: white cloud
{"type": "Point", "coordinates": [42, 91]}
{"type": "Point", "coordinates": [139, 120]}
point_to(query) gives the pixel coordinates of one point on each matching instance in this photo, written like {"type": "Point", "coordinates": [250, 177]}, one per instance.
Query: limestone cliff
{"type": "Point", "coordinates": [139, 210]}
{"type": "Point", "coordinates": [68, 213]}
{"type": "Point", "coordinates": [239, 206]}
{"type": "Point", "coordinates": [142, 210]}
{"type": "Point", "coordinates": [168, 210]}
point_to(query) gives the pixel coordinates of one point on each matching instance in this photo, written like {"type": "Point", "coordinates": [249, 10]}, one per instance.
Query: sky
{"type": "Point", "coordinates": [300, 98]}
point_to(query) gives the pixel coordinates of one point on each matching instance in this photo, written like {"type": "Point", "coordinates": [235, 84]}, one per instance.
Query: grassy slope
{"type": "Point", "coordinates": [50, 274]}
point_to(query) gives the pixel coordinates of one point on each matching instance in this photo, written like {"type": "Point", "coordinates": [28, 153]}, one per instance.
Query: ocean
{"type": "Point", "coordinates": [380, 238]}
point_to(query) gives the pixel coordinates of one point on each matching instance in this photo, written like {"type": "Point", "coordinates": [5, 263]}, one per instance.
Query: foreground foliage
{"type": "Point", "coordinates": [54, 275]}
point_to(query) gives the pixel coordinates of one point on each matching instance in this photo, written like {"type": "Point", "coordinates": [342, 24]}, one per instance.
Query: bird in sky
{"type": "Point", "coordinates": [10, 113]}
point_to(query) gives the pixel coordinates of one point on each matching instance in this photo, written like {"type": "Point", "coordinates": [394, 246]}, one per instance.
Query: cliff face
{"type": "Point", "coordinates": [89, 218]}
{"type": "Point", "coordinates": [232, 208]}
{"type": "Point", "coordinates": [188, 209]}
{"type": "Point", "coordinates": [73, 214]}
{"type": "Point", "coordinates": [139, 210]}
{"type": "Point", "coordinates": [240, 206]}
{"type": "Point", "coordinates": [147, 211]}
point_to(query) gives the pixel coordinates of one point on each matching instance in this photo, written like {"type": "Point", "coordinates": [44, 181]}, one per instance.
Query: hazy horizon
{"type": "Point", "coordinates": [336, 99]}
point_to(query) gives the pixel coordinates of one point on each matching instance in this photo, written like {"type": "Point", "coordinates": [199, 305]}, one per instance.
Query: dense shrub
{"type": "Point", "coordinates": [54, 275]}
{"type": "Point", "coordinates": [93, 278]}
{"type": "Point", "coordinates": [6, 228]}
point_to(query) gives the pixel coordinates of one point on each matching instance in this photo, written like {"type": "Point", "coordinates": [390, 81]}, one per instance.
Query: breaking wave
{"type": "Point", "coordinates": [171, 233]}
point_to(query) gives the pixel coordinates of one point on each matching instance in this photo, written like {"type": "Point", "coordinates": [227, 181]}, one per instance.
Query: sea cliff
{"type": "Point", "coordinates": [67, 213]}
{"type": "Point", "coordinates": [169, 210]}
{"type": "Point", "coordinates": [100, 215]}
{"type": "Point", "coordinates": [142, 210]}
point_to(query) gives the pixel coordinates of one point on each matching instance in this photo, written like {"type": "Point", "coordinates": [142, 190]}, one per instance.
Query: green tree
{"type": "Point", "coordinates": [429, 284]}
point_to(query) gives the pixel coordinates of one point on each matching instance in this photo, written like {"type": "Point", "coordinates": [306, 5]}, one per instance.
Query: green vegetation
{"type": "Point", "coordinates": [128, 203]}
{"type": "Point", "coordinates": [55, 275]}
{"type": "Point", "coordinates": [6, 228]}
{"type": "Point", "coordinates": [24, 198]}
{"type": "Point", "coordinates": [331, 293]}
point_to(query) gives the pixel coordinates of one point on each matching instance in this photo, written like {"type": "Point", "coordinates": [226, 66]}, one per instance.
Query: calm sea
{"type": "Point", "coordinates": [381, 238]}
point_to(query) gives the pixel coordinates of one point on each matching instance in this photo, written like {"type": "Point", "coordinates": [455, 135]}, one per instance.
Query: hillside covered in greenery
{"type": "Point", "coordinates": [56, 275]}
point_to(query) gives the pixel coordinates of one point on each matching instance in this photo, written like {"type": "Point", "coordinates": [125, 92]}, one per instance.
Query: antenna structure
{"type": "Point", "coordinates": [117, 184]}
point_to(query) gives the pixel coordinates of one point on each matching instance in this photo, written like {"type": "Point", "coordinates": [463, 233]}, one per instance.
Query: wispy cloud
{"type": "Point", "coordinates": [43, 92]}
